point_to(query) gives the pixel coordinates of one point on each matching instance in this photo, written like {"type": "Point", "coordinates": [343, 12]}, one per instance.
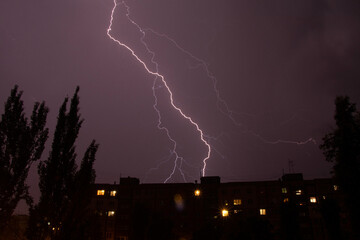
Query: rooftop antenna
{"type": "Point", "coordinates": [291, 166]}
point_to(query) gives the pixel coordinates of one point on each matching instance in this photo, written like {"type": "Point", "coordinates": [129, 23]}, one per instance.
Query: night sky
{"type": "Point", "coordinates": [278, 65]}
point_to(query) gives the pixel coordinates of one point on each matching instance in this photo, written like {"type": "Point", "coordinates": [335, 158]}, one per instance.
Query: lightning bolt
{"type": "Point", "coordinates": [220, 102]}
{"type": "Point", "coordinates": [309, 140]}
{"type": "Point", "coordinates": [160, 77]}
{"type": "Point", "coordinates": [160, 127]}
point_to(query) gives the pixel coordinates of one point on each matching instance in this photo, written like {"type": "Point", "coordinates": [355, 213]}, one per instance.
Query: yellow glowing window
{"type": "Point", "coordinates": [100, 192]}
{"type": "Point", "coordinates": [313, 199]}
{"type": "Point", "coordinates": [298, 192]}
{"type": "Point", "coordinates": [262, 211]}
{"type": "Point", "coordinates": [225, 213]}
{"type": "Point", "coordinates": [237, 201]}
{"type": "Point", "coordinates": [111, 213]}
{"type": "Point", "coordinates": [197, 192]}
{"type": "Point", "coordinates": [336, 187]}
{"type": "Point", "coordinates": [113, 193]}
{"type": "Point", "coordinates": [284, 190]}
{"type": "Point", "coordinates": [236, 211]}
{"type": "Point", "coordinates": [286, 200]}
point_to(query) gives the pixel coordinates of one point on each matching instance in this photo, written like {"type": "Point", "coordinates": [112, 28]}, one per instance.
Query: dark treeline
{"type": "Point", "coordinates": [62, 212]}
{"type": "Point", "coordinates": [342, 147]}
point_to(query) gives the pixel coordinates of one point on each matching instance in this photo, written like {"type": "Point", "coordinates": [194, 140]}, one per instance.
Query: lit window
{"type": "Point", "coordinates": [236, 211]}
{"type": "Point", "coordinates": [313, 199]}
{"type": "Point", "coordinates": [284, 190]}
{"type": "Point", "coordinates": [237, 201]}
{"type": "Point", "coordinates": [324, 197]}
{"type": "Point", "coordinates": [100, 192]}
{"type": "Point", "coordinates": [286, 200]}
{"type": "Point", "coordinates": [111, 213]}
{"type": "Point", "coordinates": [262, 211]}
{"type": "Point", "coordinates": [113, 193]}
{"type": "Point", "coordinates": [225, 213]}
{"type": "Point", "coordinates": [298, 192]}
{"type": "Point", "coordinates": [197, 192]}
{"type": "Point", "coordinates": [336, 187]}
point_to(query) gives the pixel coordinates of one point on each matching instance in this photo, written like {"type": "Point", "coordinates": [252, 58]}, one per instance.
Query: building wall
{"type": "Point", "coordinates": [290, 205]}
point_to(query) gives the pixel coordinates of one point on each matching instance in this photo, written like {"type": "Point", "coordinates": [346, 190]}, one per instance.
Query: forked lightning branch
{"type": "Point", "coordinates": [157, 75]}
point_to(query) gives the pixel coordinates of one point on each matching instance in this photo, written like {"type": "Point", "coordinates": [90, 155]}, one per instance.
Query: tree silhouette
{"type": "Point", "coordinates": [62, 210]}
{"type": "Point", "coordinates": [330, 211]}
{"type": "Point", "coordinates": [21, 144]}
{"type": "Point", "coordinates": [79, 217]}
{"type": "Point", "coordinates": [342, 147]}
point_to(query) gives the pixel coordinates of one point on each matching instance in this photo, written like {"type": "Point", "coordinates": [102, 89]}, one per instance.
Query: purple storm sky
{"type": "Point", "coordinates": [278, 65]}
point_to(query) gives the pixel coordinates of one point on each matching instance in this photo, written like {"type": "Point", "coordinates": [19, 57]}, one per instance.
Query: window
{"type": "Point", "coordinates": [237, 202]}
{"type": "Point", "coordinates": [286, 200]}
{"type": "Point", "coordinates": [111, 213]}
{"type": "Point", "coordinates": [284, 190]}
{"type": "Point", "coordinates": [123, 228]}
{"type": "Point", "coordinates": [336, 187]}
{"type": "Point", "coordinates": [313, 199]}
{"type": "Point", "coordinates": [113, 193]}
{"type": "Point", "coordinates": [298, 192]}
{"type": "Point", "coordinates": [236, 192]}
{"type": "Point", "coordinates": [302, 214]}
{"type": "Point", "coordinates": [100, 192]}
{"type": "Point", "coordinates": [225, 213]}
{"type": "Point", "coordinates": [236, 211]}
{"type": "Point", "coordinates": [197, 192]}
{"type": "Point", "coordinates": [99, 204]}
{"type": "Point", "coordinates": [262, 211]}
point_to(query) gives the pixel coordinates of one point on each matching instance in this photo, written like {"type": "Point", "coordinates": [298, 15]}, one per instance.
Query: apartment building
{"type": "Point", "coordinates": [291, 205]}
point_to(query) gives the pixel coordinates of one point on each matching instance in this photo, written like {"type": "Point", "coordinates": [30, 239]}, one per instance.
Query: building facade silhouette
{"type": "Point", "coordinates": [289, 208]}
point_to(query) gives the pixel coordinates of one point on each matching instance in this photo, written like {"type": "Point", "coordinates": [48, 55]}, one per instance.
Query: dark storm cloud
{"type": "Point", "coordinates": [278, 64]}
